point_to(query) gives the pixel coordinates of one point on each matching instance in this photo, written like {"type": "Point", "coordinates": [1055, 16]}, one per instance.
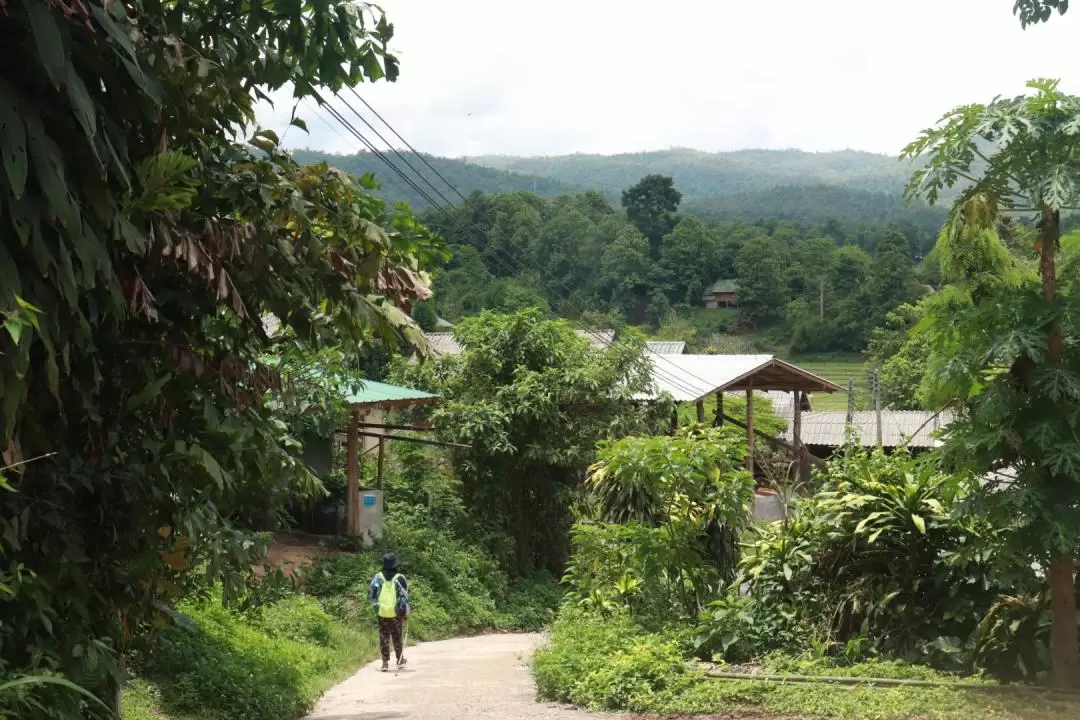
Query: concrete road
{"type": "Point", "coordinates": [474, 678]}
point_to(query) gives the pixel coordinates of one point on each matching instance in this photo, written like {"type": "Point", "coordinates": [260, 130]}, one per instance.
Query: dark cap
{"type": "Point", "coordinates": [389, 561]}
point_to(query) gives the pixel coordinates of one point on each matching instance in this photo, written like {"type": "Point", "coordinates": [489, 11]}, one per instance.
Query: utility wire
{"type": "Point", "coordinates": [476, 236]}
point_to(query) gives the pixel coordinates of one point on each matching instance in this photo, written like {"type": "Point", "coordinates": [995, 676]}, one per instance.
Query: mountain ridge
{"type": "Point", "coordinates": [853, 186]}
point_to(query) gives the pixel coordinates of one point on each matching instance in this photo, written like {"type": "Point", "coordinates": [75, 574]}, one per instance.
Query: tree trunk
{"type": "Point", "coordinates": [1064, 635]}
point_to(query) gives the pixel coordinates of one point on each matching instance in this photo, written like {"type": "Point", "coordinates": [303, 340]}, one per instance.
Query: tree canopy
{"type": "Point", "coordinates": [144, 243]}
{"type": "Point", "coordinates": [532, 399]}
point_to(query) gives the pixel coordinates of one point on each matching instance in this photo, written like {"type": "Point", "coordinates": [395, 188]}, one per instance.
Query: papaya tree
{"type": "Point", "coordinates": [1011, 360]}
{"type": "Point", "coordinates": [1031, 12]}
{"type": "Point", "coordinates": [148, 229]}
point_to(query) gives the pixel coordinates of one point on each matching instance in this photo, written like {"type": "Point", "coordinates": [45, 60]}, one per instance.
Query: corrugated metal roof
{"type": "Point", "coordinates": [690, 377]}
{"type": "Point", "coordinates": [899, 428]}
{"type": "Point", "coordinates": [443, 343]}
{"type": "Point", "coordinates": [666, 347]}
{"type": "Point", "coordinates": [271, 324]}
{"type": "Point", "coordinates": [377, 393]}
{"type": "Point", "coordinates": [693, 377]}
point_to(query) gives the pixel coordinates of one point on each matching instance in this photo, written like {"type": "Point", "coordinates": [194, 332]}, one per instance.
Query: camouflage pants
{"type": "Point", "coordinates": [390, 629]}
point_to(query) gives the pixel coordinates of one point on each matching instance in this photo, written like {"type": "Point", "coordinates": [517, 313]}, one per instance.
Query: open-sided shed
{"type": "Point", "coordinates": [367, 403]}
{"type": "Point", "coordinates": [692, 378]}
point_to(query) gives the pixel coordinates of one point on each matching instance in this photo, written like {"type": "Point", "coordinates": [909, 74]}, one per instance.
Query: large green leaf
{"type": "Point", "coordinates": [82, 104]}
{"type": "Point", "coordinates": [49, 40]}
{"type": "Point", "coordinates": [13, 142]}
{"type": "Point", "coordinates": [50, 680]}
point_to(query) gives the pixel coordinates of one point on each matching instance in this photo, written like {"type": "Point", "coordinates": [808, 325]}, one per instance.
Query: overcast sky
{"type": "Point", "coordinates": [608, 76]}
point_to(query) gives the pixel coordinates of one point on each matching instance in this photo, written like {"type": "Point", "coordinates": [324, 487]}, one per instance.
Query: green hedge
{"type": "Point", "coordinates": [608, 663]}
{"type": "Point", "coordinates": [266, 664]}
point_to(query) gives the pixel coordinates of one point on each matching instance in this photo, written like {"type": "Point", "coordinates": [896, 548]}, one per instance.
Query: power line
{"type": "Point", "coordinates": [406, 142]}
{"type": "Point", "coordinates": [477, 236]}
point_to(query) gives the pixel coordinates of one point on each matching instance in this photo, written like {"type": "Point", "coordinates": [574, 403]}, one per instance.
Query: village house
{"type": "Point", "coordinates": [722, 293]}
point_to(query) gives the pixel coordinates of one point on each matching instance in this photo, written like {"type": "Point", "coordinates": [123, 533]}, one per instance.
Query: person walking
{"type": "Point", "coordinates": [389, 594]}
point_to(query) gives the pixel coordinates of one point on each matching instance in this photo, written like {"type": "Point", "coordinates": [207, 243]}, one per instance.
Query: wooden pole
{"type": "Point", "coordinates": [718, 420]}
{"type": "Point", "coordinates": [405, 438]}
{"type": "Point", "coordinates": [352, 486]}
{"type": "Point", "coordinates": [382, 465]}
{"type": "Point", "coordinates": [796, 432]}
{"type": "Point", "coordinates": [877, 405]}
{"type": "Point", "coordinates": [776, 442]}
{"type": "Point", "coordinates": [700, 404]}
{"type": "Point", "coordinates": [750, 429]}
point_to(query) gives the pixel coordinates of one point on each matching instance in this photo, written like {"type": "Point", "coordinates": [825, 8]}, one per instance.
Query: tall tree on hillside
{"type": "Point", "coordinates": [1016, 155]}
{"type": "Point", "coordinates": [624, 273]}
{"type": "Point", "coordinates": [762, 293]}
{"type": "Point", "coordinates": [892, 277]}
{"type": "Point", "coordinates": [811, 267]}
{"type": "Point", "coordinates": [850, 278]}
{"type": "Point", "coordinates": [556, 252]}
{"type": "Point", "coordinates": [688, 257]}
{"type": "Point", "coordinates": [651, 206]}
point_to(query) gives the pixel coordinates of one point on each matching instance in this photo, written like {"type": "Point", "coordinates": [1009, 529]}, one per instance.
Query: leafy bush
{"type": "Point", "coordinates": [268, 663]}
{"type": "Point", "coordinates": [531, 602]}
{"type": "Point", "coordinates": [605, 662]}
{"type": "Point", "coordinates": [681, 502]}
{"type": "Point", "coordinates": [298, 618]}
{"type": "Point", "coordinates": [884, 559]}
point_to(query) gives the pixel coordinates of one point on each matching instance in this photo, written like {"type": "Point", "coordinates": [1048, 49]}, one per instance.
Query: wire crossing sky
{"type": "Point", "coordinates": [600, 76]}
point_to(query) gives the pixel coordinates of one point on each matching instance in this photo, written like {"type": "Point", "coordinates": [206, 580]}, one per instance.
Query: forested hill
{"type": "Point", "coordinates": [702, 174]}
{"type": "Point", "coordinates": [466, 177]}
{"type": "Point", "coordinates": [849, 187]}
{"type": "Point", "coordinates": [818, 204]}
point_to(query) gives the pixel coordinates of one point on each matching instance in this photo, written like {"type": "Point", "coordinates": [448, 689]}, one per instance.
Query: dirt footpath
{"type": "Point", "coordinates": [478, 677]}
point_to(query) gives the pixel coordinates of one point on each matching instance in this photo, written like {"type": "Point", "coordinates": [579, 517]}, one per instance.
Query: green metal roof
{"type": "Point", "coordinates": [723, 286]}
{"type": "Point", "coordinates": [377, 393]}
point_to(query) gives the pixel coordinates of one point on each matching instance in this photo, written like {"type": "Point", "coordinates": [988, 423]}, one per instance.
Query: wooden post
{"type": "Point", "coordinates": [352, 486]}
{"type": "Point", "coordinates": [877, 405]}
{"type": "Point", "coordinates": [718, 421]}
{"type": "Point", "coordinates": [700, 404]}
{"type": "Point", "coordinates": [750, 429]}
{"type": "Point", "coordinates": [796, 432]}
{"type": "Point", "coordinates": [382, 465]}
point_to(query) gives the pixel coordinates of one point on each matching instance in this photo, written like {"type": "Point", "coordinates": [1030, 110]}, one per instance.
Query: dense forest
{"type": "Point", "coordinates": [701, 174]}
{"type": "Point", "coordinates": [819, 286]}
{"type": "Point", "coordinates": [850, 187]}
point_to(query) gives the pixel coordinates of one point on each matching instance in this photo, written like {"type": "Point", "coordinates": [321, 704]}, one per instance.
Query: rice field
{"type": "Point", "coordinates": [838, 369]}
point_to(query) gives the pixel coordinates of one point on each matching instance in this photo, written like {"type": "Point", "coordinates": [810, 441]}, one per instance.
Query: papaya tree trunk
{"type": "Point", "coordinates": [1064, 636]}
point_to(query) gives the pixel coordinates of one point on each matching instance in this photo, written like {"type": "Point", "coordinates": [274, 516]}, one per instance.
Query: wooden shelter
{"type": "Point", "coordinates": [366, 428]}
{"type": "Point", "coordinates": [692, 378]}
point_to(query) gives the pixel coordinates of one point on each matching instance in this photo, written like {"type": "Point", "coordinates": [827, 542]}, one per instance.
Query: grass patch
{"type": "Point", "coordinates": [609, 664]}
{"type": "Point", "coordinates": [839, 369]}
{"type": "Point", "coordinates": [268, 664]}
